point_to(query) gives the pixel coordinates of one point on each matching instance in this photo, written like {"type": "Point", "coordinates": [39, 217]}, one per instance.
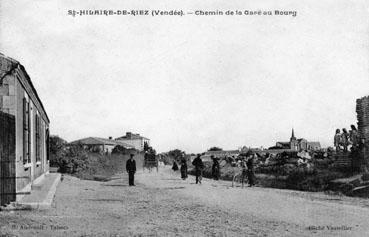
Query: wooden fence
{"type": "Point", "coordinates": [7, 159]}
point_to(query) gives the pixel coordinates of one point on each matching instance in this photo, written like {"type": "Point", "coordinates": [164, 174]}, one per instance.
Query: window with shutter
{"type": "Point", "coordinates": [37, 130]}
{"type": "Point", "coordinates": [29, 133]}
{"type": "Point", "coordinates": [47, 144]}
{"type": "Point", "coordinates": [25, 131]}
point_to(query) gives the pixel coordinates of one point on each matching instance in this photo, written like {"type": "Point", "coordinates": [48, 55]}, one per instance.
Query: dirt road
{"type": "Point", "coordinates": [163, 205]}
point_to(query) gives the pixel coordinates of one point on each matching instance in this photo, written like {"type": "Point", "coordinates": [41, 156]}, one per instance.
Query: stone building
{"type": "Point", "coordinates": [137, 141]}
{"type": "Point", "coordinates": [28, 150]}
{"type": "Point", "coordinates": [362, 110]}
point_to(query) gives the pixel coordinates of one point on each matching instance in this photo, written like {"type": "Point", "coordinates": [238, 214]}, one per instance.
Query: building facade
{"type": "Point", "coordinates": [19, 98]}
{"type": "Point", "coordinates": [135, 140]}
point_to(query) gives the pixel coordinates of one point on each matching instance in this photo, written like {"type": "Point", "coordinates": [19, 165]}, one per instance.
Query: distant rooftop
{"type": "Point", "coordinates": [100, 141]}
{"type": "Point", "coordinates": [131, 136]}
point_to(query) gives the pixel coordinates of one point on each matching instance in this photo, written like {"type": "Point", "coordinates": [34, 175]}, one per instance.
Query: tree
{"type": "Point", "coordinates": [215, 149]}
{"type": "Point", "coordinates": [176, 153]}
{"type": "Point", "coordinates": [57, 149]}
{"type": "Point", "coordinates": [56, 144]}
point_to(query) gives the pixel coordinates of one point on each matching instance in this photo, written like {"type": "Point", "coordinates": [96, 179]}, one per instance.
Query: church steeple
{"type": "Point", "coordinates": [293, 138]}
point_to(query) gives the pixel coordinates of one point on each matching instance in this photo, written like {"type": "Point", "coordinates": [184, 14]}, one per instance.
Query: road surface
{"type": "Point", "coordinates": [164, 205]}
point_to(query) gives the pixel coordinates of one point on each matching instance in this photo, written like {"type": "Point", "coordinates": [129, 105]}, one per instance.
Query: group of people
{"type": "Point", "coordinates": [247, 169]}
{"type": "Point", "coordinates": [344, 139]}
{"type": "Point", "coordinates": [197, 163]}
{"type": "Point", "coordinates": [247, 166]}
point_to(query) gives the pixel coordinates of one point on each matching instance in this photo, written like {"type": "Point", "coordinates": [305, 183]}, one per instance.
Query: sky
{"type": "Point", "coordinates": [192, 82]}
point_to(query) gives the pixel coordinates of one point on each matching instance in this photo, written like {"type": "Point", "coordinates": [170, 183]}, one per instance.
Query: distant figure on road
{"type": "Point", "coordinates": [131, 169]}
{"type": "Point", "coordinates": [215, 169]}
{"type": "Point", "coordinates": [197, 162]}
{"type": "Point", "coordinates": [175, 166]}
{"type": "Point", "coordinates": [345, 139]}
{"type": "Point", "coordinates": [250, 170]}
{"type": "Point", "coordinates": [184, 168]}
{"type": "Point", "coordinates": [337, 140]}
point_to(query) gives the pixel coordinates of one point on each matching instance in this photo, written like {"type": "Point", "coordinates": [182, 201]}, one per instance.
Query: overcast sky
{"type": "Point", "coordinates": [193, 82]}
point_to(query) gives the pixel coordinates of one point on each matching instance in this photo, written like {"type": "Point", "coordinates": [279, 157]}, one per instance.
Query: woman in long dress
{"type": "Point", "coordinates": [184, 169]}
{"type": "Point", "coordinates": [175, 166]}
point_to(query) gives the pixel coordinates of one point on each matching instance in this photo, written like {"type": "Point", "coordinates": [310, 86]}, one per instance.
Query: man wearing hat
{"type": "Point", "coordinates": [199, 166]}
{"type": "Point", "coordinates": [250, 169]}
{"type": "Point", "coordinates": [131, 169]}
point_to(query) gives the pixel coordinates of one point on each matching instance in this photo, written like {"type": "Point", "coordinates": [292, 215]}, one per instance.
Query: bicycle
{"type": "Point", "coordinates": [240, 174]}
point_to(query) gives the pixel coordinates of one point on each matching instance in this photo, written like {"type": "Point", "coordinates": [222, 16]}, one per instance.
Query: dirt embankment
{"type": "Point", "coordinates": [103, 167]}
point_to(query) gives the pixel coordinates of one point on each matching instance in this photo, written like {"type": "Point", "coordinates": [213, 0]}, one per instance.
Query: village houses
{"type": "Point", "coordinates": [136, 140]}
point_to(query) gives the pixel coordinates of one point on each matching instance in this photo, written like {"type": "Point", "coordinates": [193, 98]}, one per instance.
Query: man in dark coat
{"type": "Point", "coordinates": [131, 169]}
{"type": "Point", "coordinates": [197, 162]}
{"type": "Point", "coordinates": [250, 170]}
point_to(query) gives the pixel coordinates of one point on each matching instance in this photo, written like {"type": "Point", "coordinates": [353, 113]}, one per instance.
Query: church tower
{"type": "Point", "coordinates": [293, 141]}
{"type": "Point", "coordinates": [293, 138]}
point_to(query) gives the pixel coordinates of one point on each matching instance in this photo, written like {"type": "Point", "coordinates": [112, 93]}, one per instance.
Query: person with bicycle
{"type": "Point", "coordinates": [199, 166]}
{"type": "Point", "coordinates": [243, 171]}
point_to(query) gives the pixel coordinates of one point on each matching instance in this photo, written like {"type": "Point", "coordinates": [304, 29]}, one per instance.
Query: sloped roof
{"type": "Point", "coordinates": [100, 141]}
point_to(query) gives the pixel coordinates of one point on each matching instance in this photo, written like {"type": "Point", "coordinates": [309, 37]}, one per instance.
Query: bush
{"type": "Point", "coordinates": [311, 180]}
{"type": "Point", "coordinates": [74, 159]}
{"type": "Point", "coordinates": [122, 150]}
{"type": "Point", "coordinates": [57, 150]}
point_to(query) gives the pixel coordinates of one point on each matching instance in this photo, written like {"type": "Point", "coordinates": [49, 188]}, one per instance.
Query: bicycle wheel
{"type": "Point", "coordinates": [236, 180]}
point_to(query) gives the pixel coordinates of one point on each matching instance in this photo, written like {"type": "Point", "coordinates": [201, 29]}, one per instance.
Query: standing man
{"type": "Point", "coordinates": [250, 170]}
{"type": "Point", "coordinates": [131, 169]}
{"type": "Point", "coordinates": [197, 162]}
